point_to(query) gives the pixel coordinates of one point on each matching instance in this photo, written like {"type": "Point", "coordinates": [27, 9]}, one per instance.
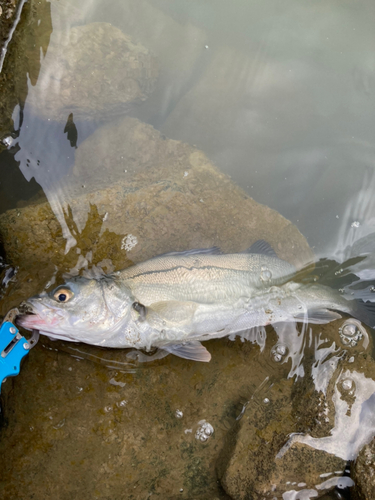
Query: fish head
{"type": "Point", "coordinates": [80, 310]}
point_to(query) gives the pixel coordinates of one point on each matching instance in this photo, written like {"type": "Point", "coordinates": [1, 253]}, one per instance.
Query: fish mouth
{"type": "Point", "coordinates": [30, 318]}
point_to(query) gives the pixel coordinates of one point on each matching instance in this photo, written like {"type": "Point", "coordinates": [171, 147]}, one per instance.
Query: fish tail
{"type": "Point", "coordinates": [365, 312]}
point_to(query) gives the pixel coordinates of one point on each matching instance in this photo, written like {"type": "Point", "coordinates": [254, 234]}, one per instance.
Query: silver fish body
{"type": "Point", "coordinates": [175, 301]}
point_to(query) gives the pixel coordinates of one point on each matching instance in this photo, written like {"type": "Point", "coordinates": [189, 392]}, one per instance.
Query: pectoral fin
{"type": "Point", "coordinates": [173, 311]}
{"type": "Point", "coordinates": [191, 350]}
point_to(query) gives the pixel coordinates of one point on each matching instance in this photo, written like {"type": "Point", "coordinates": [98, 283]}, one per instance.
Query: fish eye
{"type": "Point", "coordinates": [63, 295]}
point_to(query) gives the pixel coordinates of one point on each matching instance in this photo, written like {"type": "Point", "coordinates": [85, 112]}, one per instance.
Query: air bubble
{"type": "Point", "coordinates": [279, 352]}
{"type": "Point", "coordinates": [60, 424]}
{"type": "Point", "coordinates": [122, 404]}
{"type": "Point", "coordinates": [351, 332]}
{"type": "Point", "coordinates": [266, 401]}
{"type": "Point", "coordinates": [204, 431]}
{"type": "Point", "coordinates": [281, 349]}
{"type": "Point", "coordinates": [179, 414]}
{"type": "Point", "coordinates": [355, 223]}
{"type": "Point", "coordinates": [8, 141]}
{"type": "Point", "coordinates": [347, 384]}
{"type": "Point", "coordinates": [128, 242]}
{"type": "Point", "coordinates": [265, 274]}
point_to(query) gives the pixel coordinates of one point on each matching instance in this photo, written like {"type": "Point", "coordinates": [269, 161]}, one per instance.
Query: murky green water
{"type": "Point", "coordinates": [132, 128]}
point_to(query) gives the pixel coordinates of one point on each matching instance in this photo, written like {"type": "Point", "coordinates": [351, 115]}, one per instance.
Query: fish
{"type": "Point", "coordinates": [175, 301]}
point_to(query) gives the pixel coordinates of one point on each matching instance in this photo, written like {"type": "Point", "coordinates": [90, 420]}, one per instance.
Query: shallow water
{"type": "Point", "coordinates": [276, 99]}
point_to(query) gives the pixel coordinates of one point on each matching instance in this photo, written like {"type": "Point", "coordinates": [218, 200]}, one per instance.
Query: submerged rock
{"type": "Point", "coordinates": [92, 71]}
{"type": "Point", "coordinates": [131, 184]}
{"type": "Point", "coordinates": [250, 466]}
{"type": "Point", "coordinates": [296, 442]}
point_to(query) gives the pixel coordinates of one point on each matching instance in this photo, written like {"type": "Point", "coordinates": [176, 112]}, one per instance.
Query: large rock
{"type": "Point", "coordinates": [92, 71]}
{"type": "Point", "coordinates": [250, 466]}
{"type": "Point", "coordinates": [128, 179]}
{"type": "Point", "coordinates": [296, 442]}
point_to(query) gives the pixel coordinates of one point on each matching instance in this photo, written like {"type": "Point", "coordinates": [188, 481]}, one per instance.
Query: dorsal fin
{"type": "Point", "coordinates": [195, 251]}
{"type": "Point", "coordinates": [261, 247]}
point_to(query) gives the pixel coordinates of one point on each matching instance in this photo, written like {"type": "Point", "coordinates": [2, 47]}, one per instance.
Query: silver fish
{"type": "Point", "coordinates": [175, 301]}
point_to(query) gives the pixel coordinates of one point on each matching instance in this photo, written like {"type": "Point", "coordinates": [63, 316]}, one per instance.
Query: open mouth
{"type": "Point", "coordinates": [28, 318]}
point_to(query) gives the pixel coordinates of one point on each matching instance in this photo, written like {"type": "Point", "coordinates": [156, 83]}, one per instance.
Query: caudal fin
{"type": "Point", "coordinates": [365, 312]}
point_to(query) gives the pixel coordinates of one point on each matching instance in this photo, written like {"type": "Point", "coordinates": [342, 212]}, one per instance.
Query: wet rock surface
{"type": "Point", "coordinates": [250, 466]}
{"type": "Point", "coordinates": [22, 58]}
{"type": "Point", "coordinates": [8, 9]}
{"type": "Point", "coordinates": [92, 71]}
{"type": "Point", "coordinates": [294, 439]}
